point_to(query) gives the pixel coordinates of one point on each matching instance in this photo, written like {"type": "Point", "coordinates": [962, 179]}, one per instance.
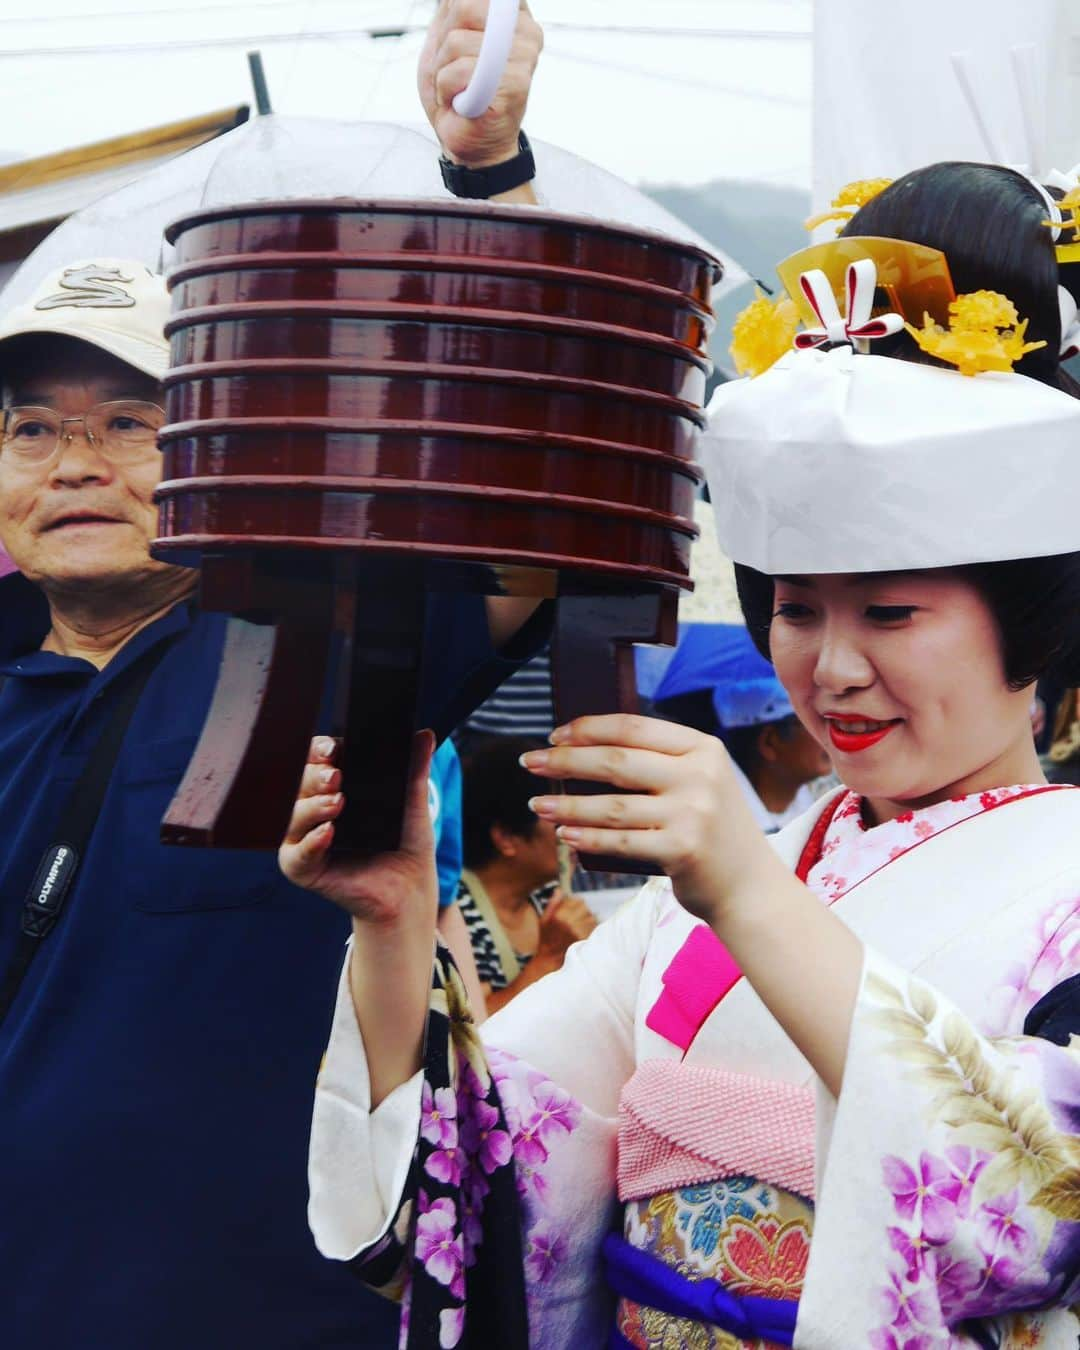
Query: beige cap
{"type": "Point", "coordinates": [114, 304]}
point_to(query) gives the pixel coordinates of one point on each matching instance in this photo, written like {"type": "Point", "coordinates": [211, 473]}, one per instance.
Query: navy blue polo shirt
{"type": "Point", "coordinates": [158, 1066]}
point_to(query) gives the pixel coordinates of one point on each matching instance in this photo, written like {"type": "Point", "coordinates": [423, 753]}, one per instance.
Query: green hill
{"type": "Point", "coordinates": [755, 222]}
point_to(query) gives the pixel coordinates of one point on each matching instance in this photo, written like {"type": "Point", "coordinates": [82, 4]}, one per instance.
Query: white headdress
{"type": "Point", "coordinates": [836, 461]}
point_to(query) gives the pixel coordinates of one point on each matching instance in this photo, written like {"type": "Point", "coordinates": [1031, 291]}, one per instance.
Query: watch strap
{"type": "Point", "coordinates": [493, 180]}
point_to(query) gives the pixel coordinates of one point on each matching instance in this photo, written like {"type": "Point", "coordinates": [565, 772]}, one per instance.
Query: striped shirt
{"type": "Point", "coordinates": [521, 706]}
{"type": "Point", "coordinates": [489, 965]}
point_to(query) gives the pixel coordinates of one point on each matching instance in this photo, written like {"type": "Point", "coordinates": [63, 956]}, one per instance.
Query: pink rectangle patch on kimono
{"type": "Point", "coordinates": [701, 973]}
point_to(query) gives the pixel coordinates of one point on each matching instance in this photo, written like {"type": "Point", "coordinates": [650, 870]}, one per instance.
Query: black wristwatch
{"type": "Point", "coordinates": [479, 183]}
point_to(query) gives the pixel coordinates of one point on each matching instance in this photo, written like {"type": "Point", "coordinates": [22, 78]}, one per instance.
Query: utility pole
{"type": "Point", "coordinates": [258, 81]}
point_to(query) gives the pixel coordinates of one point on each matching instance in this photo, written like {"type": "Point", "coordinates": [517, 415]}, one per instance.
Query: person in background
{"type": "Point", "coordinates": [523, 705]}
{"type": "Point", "coordinates": [719, 683]}
{"type": "Point", "coordinates": [1061, 763]}
{"type": "Point", "coordinates": [152, 1142]}
{"type": "Point", "coordinates": [520, 926]}
{"type": "Point", "coordinates": [444, 807]}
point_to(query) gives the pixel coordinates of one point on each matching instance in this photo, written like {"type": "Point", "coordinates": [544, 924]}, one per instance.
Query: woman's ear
{"type": "Point", "coordinates": [505, 843]}
{"type": "Point", "coordinates": [766, 743]}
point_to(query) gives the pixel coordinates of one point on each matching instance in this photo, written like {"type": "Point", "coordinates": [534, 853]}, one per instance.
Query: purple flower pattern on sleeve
{"type": "Point", "coordinates": [475, 1213]}
{"type": "Point", "coordinates": [439, 1127]}
{"type": "Point", "coordinates": [456, 1237]}
{"type": "Point", "coordinates": [925, 1195]}
{"type": "Point", "coordinates": [1053, 953]}
{"type": "Point", "coordinates": [484, 1143]}
{"type": "Point", "coordinates": [980, 1227]}
{"type": "Point", "coordinates": [439, 1246]}
{"type": "Point", "coordinates": [540, 1115]}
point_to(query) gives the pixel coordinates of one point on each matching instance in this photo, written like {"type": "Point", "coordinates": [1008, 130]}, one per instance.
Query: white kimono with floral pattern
{"type": "Point", "coordinates": [942, 1189]}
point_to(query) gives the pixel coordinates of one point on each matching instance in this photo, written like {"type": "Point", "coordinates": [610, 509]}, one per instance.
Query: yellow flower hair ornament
{"type": "Point", "coordinates": [1064, 214]}
{"type": "Point", "coordinates": [985, 333]}
{"type": "Point", "coordinates": [848, 200]}
{"type": "Point", "coordinates": [1068, 206]}
{"type": "Point", "coordinates": [762, 333]}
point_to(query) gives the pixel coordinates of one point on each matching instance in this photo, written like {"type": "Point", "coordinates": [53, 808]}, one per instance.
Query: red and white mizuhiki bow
{"type": "Point", "coordinates": [857, 326]}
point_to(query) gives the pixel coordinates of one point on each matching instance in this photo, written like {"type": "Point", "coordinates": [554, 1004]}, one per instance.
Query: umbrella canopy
{"type": "Point", "coordinates": [284, 158]}
{"type": "Point", "coordinates": [722, 657]}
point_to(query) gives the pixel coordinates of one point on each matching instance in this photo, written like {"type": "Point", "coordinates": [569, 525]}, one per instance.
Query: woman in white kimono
{"type": "Point", "coordinates": [783, 1097]}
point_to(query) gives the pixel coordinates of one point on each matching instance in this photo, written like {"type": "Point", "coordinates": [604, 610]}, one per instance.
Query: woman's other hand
{"type": "Point", "coordinates": [393, 900]}
{"type": "Point", "coordinates": [388, 889]}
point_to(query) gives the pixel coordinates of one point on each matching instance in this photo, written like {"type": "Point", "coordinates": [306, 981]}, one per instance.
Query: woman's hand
{"type": "Point", "coordinates": [393, 899]}
{"type": "Point", "coordinates": [386, 890]}
{"type": "Point", "coordinates": [678, 805]}
{"type": "Point", "coordinates": [446, 67]}
{"type": "Point", "coordinates": [691, 818]}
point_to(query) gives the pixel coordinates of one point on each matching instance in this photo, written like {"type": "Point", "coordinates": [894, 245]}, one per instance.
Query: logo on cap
{"type": "Point", "coordinates": [90, 287]}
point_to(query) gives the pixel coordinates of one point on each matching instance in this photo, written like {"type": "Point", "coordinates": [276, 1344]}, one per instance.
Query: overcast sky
{"type": "Point", "coordinates": [650, 107]}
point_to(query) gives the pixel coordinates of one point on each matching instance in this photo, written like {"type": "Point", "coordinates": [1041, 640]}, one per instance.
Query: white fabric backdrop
{"type": "Point", "coordinates": [886, 99]}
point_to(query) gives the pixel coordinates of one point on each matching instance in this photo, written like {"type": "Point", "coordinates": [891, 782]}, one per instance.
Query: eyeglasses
{"type": "Point", "coordinates": [124, 431]}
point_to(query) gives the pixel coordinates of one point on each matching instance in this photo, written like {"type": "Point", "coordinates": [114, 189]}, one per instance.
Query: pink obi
{"type": "Point", "coordinates": [682, 1125]}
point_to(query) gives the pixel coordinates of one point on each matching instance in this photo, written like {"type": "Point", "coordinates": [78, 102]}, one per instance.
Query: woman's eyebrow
{"type": "Point", "coordinates": [875, 578]}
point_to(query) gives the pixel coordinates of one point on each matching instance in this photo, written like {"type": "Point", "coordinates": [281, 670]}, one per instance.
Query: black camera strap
{"type": "Point", "coordinates": [60, 862]}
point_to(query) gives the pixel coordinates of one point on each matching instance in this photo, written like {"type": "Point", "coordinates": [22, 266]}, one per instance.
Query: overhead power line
{"type": "Point", "coordinates": [684, 82]}
{"type": "Point", "coordinates": [668, 30]}
{"type": "Point", "coordinates": [188, 44]}
{"type": "Point", "coordinates": [188, 11]}
{"type": "Point", "coordinates": [388, 30]}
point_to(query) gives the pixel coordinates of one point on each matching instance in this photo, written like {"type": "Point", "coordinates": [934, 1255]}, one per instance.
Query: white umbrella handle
{"type": "Point", "coordinates": [494, 54]}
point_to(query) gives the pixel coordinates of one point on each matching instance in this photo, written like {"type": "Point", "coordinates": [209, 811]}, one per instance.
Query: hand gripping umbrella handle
{"type": "Point", "coordinates": [494, 54]}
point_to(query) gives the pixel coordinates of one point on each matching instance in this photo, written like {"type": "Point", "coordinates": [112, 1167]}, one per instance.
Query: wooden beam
{"type": "Point", "coordinates": [173, 137]}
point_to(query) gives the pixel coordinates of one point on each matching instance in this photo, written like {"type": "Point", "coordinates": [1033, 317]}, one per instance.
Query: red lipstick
{"type": "Point", "coordinates": [850, 741]}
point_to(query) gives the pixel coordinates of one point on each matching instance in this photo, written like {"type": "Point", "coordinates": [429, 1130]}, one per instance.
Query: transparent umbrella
{"type": "Point", "coordinates": [285, 158]}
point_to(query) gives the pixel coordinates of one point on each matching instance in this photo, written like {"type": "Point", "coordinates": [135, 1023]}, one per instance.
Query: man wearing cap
{"type": "Point", "coordinates": [128, 1067]}
{"type": "Point", "coordinates": [159, 1047]}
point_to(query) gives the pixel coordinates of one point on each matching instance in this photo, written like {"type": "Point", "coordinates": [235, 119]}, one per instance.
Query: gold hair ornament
{"type": "Point", "coordinates": [985, 333]}
{"type": "Point", "coordinates": [1069, 206]}
{"type": "Point", "coordinates": [762, 333]}
{"type": "Point", "coordinates": [848, 200]}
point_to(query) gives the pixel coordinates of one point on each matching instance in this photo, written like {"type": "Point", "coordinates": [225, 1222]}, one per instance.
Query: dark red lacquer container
{"type": "Point", "coordinates": [371, 399]}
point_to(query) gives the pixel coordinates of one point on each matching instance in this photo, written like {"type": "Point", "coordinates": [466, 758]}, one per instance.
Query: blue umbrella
{"type": "Point", "coordinates": [723, 658]}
